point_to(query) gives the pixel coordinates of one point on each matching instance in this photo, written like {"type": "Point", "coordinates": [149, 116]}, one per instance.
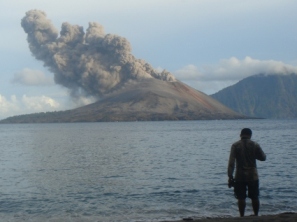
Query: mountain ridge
{"type": "Point", "coordinates": [263, 96]}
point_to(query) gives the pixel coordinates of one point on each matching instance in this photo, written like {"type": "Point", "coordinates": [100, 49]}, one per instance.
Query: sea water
{"type": "Point", "coordinates": [138, 171]}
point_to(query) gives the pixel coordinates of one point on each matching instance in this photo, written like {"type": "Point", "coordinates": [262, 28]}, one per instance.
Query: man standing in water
{"type": "Point", "coordinates": [244, 153]}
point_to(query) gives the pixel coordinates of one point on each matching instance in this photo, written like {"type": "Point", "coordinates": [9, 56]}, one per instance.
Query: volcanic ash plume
{"type": "Point", "coordinates": [91, 63]}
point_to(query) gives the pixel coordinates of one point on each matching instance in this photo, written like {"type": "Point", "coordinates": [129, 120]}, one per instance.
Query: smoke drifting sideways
{"type": "Point", "coordinates": [88, 64]}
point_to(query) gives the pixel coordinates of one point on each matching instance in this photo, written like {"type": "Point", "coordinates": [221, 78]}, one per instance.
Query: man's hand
{"type": "Point", "coordinates": [231, 182]}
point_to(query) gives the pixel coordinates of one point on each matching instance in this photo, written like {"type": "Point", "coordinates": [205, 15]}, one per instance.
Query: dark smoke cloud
{"type": "Point", "coordinates": [92, 63]}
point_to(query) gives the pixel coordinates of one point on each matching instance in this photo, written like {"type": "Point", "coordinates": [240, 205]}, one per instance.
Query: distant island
{"type": "Point", "coordinates": [147, 100]}
{"type": "Point", "coordinates": [258, 96]}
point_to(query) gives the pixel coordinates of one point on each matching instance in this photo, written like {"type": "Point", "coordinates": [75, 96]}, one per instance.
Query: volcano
{"type": "Point", "coordinates": [144, 100]}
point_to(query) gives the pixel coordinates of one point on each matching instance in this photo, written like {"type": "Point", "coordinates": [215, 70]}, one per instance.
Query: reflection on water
{"type": "Point", "coordinates": [137, 171]}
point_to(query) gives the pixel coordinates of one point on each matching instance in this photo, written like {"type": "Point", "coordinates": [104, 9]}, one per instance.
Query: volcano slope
{"type": "Point", "coordinates": [146, 100]}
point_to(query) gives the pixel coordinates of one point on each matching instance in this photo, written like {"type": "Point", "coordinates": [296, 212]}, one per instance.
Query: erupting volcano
{"type": "Point", "coordinates": [101, 66]}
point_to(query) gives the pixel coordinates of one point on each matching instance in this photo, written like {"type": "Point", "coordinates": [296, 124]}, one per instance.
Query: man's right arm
{"type": "Point", "coordinates": [231, 163]}
{"type": "Point", "coordinates": [260, 155]}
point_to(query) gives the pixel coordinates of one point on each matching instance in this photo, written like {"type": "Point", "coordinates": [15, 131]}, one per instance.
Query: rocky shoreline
{"type": "Point", "coordinates": [282, 217]}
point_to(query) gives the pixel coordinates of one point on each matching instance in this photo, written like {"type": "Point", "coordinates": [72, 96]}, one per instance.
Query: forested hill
{"type": "Point", "coordinates": [266, 96]}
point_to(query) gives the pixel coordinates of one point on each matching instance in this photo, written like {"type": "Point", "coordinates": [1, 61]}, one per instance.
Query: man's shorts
{"type": "Point", "coordinates": [240, 188]}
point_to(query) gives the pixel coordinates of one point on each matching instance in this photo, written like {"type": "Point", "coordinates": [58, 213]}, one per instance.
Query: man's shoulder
{"type": "Point", "coordinates": [236, 143]}
{"type": "Point", "coordinates": [253, 143]}
{"type": "Point", "coordinates": [240, 143]}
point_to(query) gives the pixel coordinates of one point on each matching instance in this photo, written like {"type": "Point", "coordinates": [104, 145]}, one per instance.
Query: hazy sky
{"type": "Point", "coordinates": [207, 44]}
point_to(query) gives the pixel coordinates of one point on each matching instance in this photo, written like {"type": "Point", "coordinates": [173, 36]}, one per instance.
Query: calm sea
{"type": "Point", "coordinates": [138, 171]}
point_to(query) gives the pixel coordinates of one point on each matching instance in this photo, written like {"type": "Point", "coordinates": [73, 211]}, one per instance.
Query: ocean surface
{"type": "Point", "coordinates": [138, 171]}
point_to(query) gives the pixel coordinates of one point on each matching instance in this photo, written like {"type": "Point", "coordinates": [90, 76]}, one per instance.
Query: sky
{"type": "Point", "coordinates": [207, 44]}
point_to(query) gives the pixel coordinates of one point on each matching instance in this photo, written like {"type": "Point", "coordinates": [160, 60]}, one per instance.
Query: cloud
{"type": "Point", "coordinates": [212, 78]}
{"type": "Point", "coordinates": [13, 105]}
{"type": "Point", "coordinates": [6, 106]}
{"type": "Point", "coordinates": [32, 77]}
{"type": "Point", "coordinates": [39, 103]}
{"type": "Point", "coordinates": [26, 104]}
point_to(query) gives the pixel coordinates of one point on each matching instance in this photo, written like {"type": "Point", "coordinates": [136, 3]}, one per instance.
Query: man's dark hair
{"type": "Point", "coordinates": [246, 131]}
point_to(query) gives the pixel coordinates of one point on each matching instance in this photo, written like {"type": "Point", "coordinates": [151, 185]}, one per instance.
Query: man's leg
{"type": "Point", "coordinates": [253, 188]}
{"type": "Point", "coordinates": [256, 206]}
{"type": "Point", "coordinates": [240, 194]}
{"type": "Point", "coordinates": [241, 206]}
